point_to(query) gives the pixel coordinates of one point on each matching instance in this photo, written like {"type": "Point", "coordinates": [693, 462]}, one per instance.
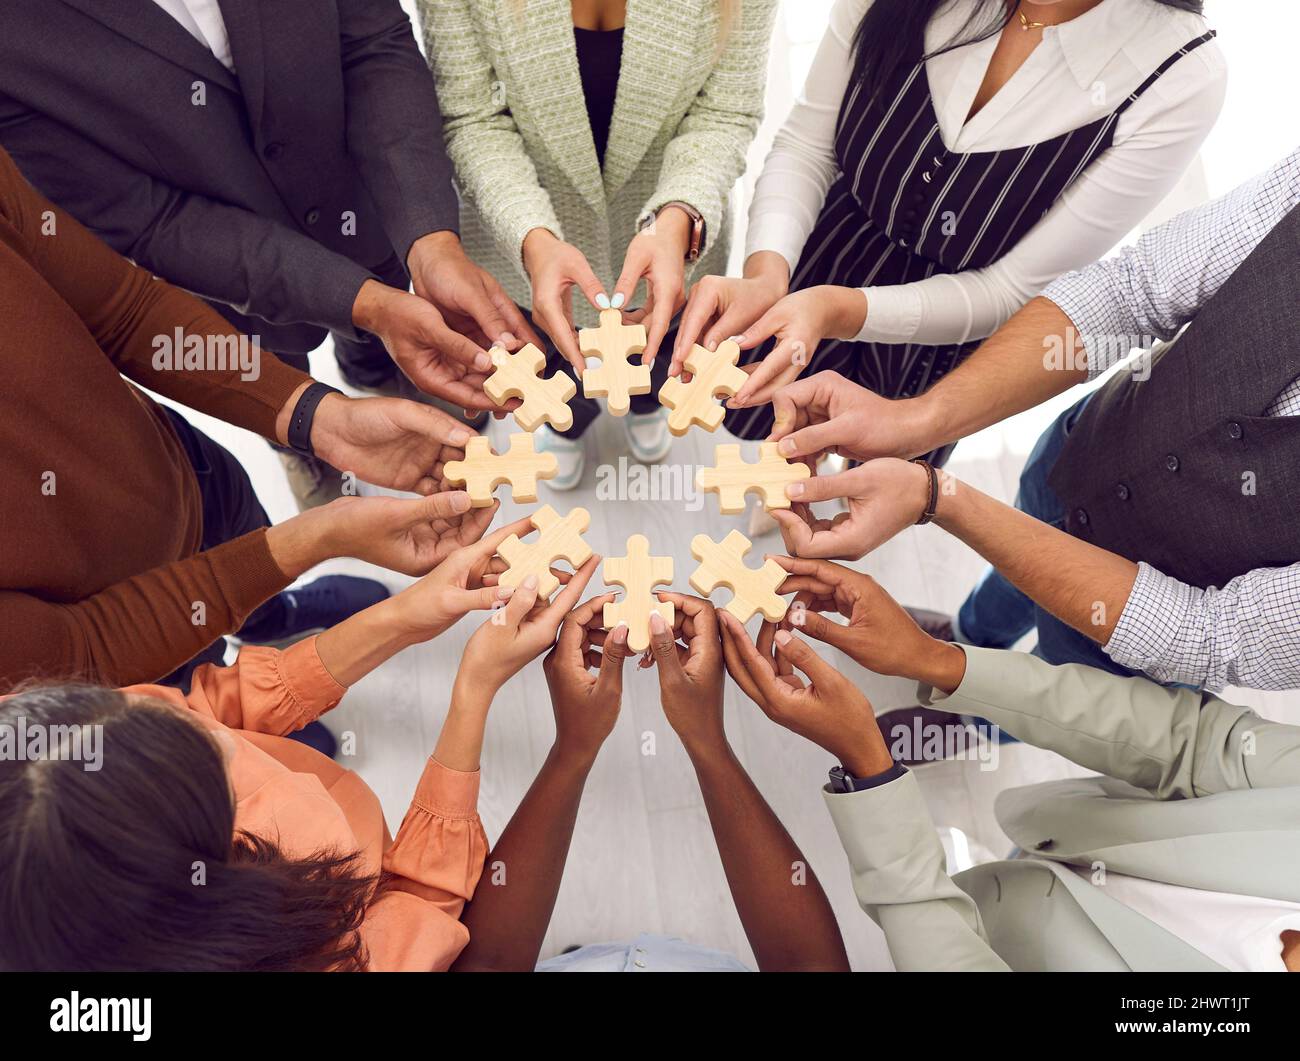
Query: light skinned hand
{"type": "Point", "coordinates": [520, 631]}
{"type": "Point", "coordinates": [555, 268]}
{"type": "Point", "coordinates": [884, 496]}
{"type": "Point", "coordinates": [688, 657]}
{"type": "Point", "coordinates": [827, 413]}
{"type": "Point", "coordinates": [410, 535]}
{"type": "Point", "coordinates": [467, 580]}
{"type": "Point", "coordinates": [828, 709]}
{"type": "Point", "coordinates": [656, 254]}
{"type": "Point", "coordinates": [720, 307]}
{"type": "Point", "coordinates": [799, 323]}
{"type": "Point", "coordinates": [586, 704]}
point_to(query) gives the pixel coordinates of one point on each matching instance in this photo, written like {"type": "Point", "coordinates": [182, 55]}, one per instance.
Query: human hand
{"type": "Point", "coordinates": [469, 298]}
{"type": "Point", "coordinates": [657, 253]}
{"type": "Point", "coordinates": [884, 497]}
{"type": "Point", "coordinates": [799, 322]}
{"type": "Point", "coordinates": [467, 579]}
{"type": "Point", "coordinates": [722, 306]}
{"type": "Point", "coordinates": [390, 442]}
{"type": "Point", "coordinates": [827, 413]}
{"type": "Point", "coordinates": [586, 705]}
{"type": "Point", "coordinates": [828, 710]}
{"type": "Point", "coordinates": [520, 631]}
{"type": "Point", "coordinates": [436, 358]}
{"type": "Point", "coordinates": [690, 673]}
{"type": "Point", "coordinates": [554, 268]}
{"type": "Point", "coordinates": [879, 634]}
{"type": "Point", "coordinates": [410, 535]}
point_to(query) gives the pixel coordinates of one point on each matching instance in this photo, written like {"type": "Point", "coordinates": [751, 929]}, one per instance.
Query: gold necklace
{"type": "Point", "coordinates": [1026, 25]}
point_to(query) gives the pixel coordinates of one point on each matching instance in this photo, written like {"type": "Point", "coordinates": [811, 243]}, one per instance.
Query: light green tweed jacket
{"type": "Point", "coordinates": [515, 121]}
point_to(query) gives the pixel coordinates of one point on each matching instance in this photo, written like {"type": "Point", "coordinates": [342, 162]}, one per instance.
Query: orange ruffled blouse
{"type": "Point", "coordinates": [306, 803]}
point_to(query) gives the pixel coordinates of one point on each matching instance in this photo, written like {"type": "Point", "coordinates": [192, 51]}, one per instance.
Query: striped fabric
{"type": "Point", "coordinates": [904, 207]}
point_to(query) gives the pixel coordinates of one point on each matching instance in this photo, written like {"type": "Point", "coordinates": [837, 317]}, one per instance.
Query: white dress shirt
{"type": "Point", "coordinates": [205, 23]}
{"type": "Point", "coordinates": [1248, 632]}
{"type": "Point", "coordinates": [1080, 73]}
{"type": "Point", "coordinates": [1243, 933]}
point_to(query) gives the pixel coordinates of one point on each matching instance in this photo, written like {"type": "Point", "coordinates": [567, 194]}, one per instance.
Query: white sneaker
{"type": "Point", "coordinates": [569, 456]}
{"type": "Point", "coordinates": [648, 436]}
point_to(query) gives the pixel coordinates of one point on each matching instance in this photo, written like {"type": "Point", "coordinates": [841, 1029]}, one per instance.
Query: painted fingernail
{"type": "Point", "coordinates": [657, 624]}
{"type": "Point", "coordinates": [787, 448]}
{"type": "Point", "coordinates": [617, 301]}
{"type": "Point", "coordinates": [793, 490]}
{"type": "Point", "coordinates": [620, 634]}
{"type": "Point", "coordinates": [530, 582]}
{"type": "Point", "coordinates": [459, 436]}
{"type": "Point", "coordinates": [602, 300]}
{"type": "Point", "coordinates": [783, 637]}
{"type": "Point", "coordinates": [482, 362]}
{"type": "Point", "coordinates": [505, 592]}
{"type": "Point", "coordinates": [459, 501]}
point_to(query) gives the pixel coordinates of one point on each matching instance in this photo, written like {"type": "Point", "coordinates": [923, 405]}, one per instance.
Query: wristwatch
{"type": "Point", "coordinates": [695, 247]}
{"type": "Point", "coordinates": [843, 781]}
{"type": "Point", "coordinates": [304, 413]}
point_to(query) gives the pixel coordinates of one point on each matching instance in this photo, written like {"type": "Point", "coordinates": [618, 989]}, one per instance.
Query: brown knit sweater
{"type": "Point", "coordinates": [100, 516]}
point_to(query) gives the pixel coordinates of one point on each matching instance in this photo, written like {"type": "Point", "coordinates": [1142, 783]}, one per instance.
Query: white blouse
{"type": "Point", "coordinates": [1080, 72]}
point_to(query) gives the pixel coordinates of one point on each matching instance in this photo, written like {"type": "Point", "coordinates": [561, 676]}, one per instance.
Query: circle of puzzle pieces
{"type": "Point", "coordinates": [519, 375]}
{"type": "Point", "coordinates": [482, 471]}
{"type": "Point", "coordinates": [559, 538]}
{"type": "Point", "coordinates": [733, 477]}
{"type": "Point", "coordinates": [638, 573]}
{"type": "Point", "coordinates": [616, 379]}
{"type": "Point", "coordinates": [723, 564]}
{"type": "Point", "coordinates": [713, 374]}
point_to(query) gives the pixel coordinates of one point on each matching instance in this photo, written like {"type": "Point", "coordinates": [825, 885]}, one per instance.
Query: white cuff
{"type": "Point", "coordinates": [893, 314]}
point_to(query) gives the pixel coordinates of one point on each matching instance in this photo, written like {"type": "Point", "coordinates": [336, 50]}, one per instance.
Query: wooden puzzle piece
{"type": "Point", "coordinates": [714, 374]}
{"type": "Point", "coordinates": [733, 477]}
{"type": "Point", "coordinates": [482, 471]}
{"type": "Point", "coordinates": [723, 564]}
{"type": "Point", "coordinates": [559, 538]}
{"type": "Point", "coordinates": [519, 375]}
{"type": "Point", "coordinates": [616, 379]}
{"type": "Point", "coordinates": [638, 573]}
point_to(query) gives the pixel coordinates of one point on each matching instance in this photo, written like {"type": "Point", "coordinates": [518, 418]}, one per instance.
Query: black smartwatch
{"type": "Point", "coordinates": [299, 434]}
{"type": "Point", "coordinates": [843, 781]}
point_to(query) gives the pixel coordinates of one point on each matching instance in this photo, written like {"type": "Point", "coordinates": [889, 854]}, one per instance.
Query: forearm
{"type": "Point", "coordinates": [362, 642]}
{"type": "Point", "coordinates": [1036, 355]}
{"type": "Point", "coordinates": [787, 917]}
{"type": "Point", "coordinates": [511, 910]}
{"type": "Point", "coordinates": [1082, 585]}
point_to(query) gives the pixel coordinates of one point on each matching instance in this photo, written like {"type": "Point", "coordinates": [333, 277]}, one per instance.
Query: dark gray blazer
{"type": "Point", "coordinates": [239, 186]}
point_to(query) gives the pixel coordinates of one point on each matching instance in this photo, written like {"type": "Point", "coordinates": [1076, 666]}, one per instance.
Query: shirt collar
{"type": "Point", "coordinates": [1092, 40]}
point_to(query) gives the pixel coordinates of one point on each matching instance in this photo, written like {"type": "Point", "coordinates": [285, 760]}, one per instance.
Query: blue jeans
{"type": "Point", "coordinates": [996, 614]}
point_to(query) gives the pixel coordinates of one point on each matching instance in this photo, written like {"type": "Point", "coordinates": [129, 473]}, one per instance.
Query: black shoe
{"type": "Point", "coordinates": [306, 610]}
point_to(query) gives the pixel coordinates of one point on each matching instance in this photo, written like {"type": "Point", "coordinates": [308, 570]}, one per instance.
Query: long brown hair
{"type": "Point", "coordinates": [137, 865]}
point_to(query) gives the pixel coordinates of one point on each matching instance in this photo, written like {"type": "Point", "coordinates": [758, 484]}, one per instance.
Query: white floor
{"type": "Point", "coordinates": [643, 858]}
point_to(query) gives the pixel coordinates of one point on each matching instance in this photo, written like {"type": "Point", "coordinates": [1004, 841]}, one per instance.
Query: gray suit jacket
{"type": "Point", "coordinates": [234, 186]}
{"type": "Point", "coordinates": [1197, 792]}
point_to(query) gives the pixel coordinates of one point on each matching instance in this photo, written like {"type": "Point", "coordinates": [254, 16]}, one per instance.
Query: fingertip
{"type": "Point", "coordinates": [783, 638]}
{"type": "Point", "coordinates": [459, 501]}
{"type": "Point", "coordinates": [619, 634]}
{"type": "Point", "coordinates": [657, 624]}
